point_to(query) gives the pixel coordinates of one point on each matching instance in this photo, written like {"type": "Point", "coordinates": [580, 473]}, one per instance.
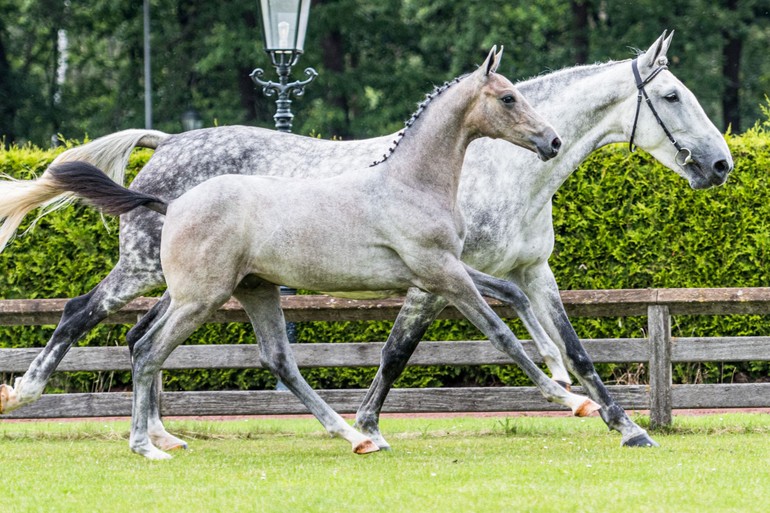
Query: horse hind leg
{"type": "Point", "coordinates": [418, 312]}
{"type": "Point", "coordinates": [262, 304]}
{"type": "Point", "coordinates": [157, 431]}
{"type": "Point", "coordinates": [73, 325]}
{"type": "Point", "coordinates": [81, 314]}
{"type": "Point", "coordinates": [159, 437]}
{"type": "Point", "coordinates": [170, 330]}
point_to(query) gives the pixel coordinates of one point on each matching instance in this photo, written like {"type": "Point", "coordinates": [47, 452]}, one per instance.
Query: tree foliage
{"type": "Point", "coordinates": [375, 58]}
{"type": "Point", "coordinates": [621, 221]}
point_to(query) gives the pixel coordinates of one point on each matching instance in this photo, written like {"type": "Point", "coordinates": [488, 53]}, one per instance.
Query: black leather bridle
{"type": "Point", "coordinates": [683, 155]}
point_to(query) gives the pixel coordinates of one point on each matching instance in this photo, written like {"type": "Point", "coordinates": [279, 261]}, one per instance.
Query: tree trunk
{"type": "Point", "coordinates": [247, 89]}
{"type": "Point", "coordinates": [334, 62]}
{"type": "Point", "coordinates": [7, 100]}
{"type": "Point", "coordinates": [580, 30]}
{"type": "Point", "coordinates": [53, 87]}
{"type": "Point", "coordinates": [731, 67]}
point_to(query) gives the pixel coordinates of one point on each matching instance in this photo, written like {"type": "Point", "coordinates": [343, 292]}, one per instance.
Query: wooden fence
{"type": "Point", "coordinates": [659, 350]}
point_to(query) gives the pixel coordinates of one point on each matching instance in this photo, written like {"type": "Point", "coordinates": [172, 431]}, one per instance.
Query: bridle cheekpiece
{"type": "Point", "coordinates": [683, 155]}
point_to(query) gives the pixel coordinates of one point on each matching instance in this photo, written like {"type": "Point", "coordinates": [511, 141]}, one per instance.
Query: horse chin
{"type": "Point", "coordinates": [543, 156]}
{"type": "Point", "coordinates": [699, 179]}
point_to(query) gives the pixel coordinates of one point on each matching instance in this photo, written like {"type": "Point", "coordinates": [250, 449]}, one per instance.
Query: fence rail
{"type": "Point", "coordinates": [659, 350]}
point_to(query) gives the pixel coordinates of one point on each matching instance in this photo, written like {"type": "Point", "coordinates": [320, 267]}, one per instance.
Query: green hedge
{"type": "Point", "coordinates": [622, 221]}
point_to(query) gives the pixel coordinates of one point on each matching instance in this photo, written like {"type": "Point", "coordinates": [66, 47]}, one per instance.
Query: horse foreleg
{"type": "Point", "coordinates": [262, 304]}
{"type": "Point", "coordinates": [460, 288]}
{"type": "Point", "coordinates": [546, 302]}
{"type": "Point", "coordinates": [510, 294]}
{"type": "Point", "coordinates": [418, 312]}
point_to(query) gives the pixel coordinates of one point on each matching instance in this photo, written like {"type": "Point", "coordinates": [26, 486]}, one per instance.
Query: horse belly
{"type": "Point", "coordinates": [339, 269]}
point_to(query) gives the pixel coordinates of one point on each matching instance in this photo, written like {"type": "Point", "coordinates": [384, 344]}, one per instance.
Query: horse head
{"type": "Point", "coordinates": [501, 111]}
{"type": "Point", "coordinates": [671, 125]}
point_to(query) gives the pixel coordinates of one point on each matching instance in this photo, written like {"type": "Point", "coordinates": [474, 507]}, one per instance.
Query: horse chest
{"type": "Point", "coordinates": [498, 244]}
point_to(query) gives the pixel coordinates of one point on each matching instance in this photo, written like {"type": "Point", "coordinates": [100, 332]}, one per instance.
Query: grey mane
{"type": "Point", "coordinates": [420, 108]}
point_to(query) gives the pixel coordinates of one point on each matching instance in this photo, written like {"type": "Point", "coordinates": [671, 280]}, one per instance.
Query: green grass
{"type": "Point", "coordinates": [518, 464]}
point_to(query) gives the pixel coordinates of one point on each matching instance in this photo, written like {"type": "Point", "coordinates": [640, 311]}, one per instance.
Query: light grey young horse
{"type": "Point", "coordinates": [376, 231]}
{"type": "Point", "coordinates": [505, 194]}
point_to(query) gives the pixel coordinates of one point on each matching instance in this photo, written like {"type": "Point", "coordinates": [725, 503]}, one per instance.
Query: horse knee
{"type": "Point", "coordinates": [140, 328]}
{"type": "Point", "coordinates": [506, 342]}
{"type": "Point", "coordinates": [76, 304]}
{"type": "Point", "coordinates": [580, 362]}
{"type": "Point", "coordinates": [517, 296]}
{"type": "Point", "coordinates": [394, 355]}
{"type": "Point", "coordinates": [277, 362]}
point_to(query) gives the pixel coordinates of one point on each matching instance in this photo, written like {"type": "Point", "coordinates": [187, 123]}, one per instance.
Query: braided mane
{"type": "Point", "coordinates": [420, 108]}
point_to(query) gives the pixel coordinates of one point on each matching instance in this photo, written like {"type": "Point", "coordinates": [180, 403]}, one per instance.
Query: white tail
{"type": "Point", "coordinates": [109, 153]}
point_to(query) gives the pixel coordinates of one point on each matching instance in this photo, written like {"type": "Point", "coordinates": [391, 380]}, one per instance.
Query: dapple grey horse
{"type": "Point", "coordinates": [510, 231]}
{"type": "Point", "coordinates": [376, 231]}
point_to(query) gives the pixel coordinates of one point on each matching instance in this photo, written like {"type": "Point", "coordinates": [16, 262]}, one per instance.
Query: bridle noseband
{"type": "Point", "coordinates": [683, 155]}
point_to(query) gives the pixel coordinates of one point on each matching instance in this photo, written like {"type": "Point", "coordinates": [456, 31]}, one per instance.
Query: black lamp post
{"type": "Point", "coordinates": [284, 23]}
{"type": "Point", "coordinates": [191, 120]}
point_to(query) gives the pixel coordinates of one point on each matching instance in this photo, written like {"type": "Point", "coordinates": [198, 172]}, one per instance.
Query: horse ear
{"type": "Point", "coordinates": [666, 44]}
{"type": "Point", "coordinates": [656, 55]}
{"type": "Point", "coordinates": [493, 59]}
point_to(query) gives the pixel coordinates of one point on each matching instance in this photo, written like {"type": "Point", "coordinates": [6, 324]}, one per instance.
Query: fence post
{"type": "Point", "coordinates": [659, 327]}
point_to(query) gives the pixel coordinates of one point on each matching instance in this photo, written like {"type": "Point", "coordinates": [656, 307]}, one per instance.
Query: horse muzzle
{"type": "Point", "coordinates": [548, 150]}
{"type": "Point", "coordinates": [705, 176]}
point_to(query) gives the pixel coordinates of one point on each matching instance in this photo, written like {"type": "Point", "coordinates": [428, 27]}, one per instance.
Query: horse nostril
{"type": "Point", "coordinates": [722, 167]}
{"type": "Point", "coordinates": [556, 144]}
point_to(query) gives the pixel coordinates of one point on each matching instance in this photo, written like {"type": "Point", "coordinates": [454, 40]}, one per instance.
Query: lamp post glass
{"type": "Point", "coordinates": [191, 120]}
{"type": "Point", "coordinates": [285, 23]}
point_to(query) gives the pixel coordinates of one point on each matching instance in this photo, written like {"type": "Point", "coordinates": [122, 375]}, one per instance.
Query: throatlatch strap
{"type": "Point", "coordinates": [640, 86]}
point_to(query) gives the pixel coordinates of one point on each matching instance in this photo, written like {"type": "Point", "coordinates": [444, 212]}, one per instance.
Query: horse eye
{"type": "Point", "coordinates": [671, 98]}
{"type": "Point", "coordinates": [508, 98]}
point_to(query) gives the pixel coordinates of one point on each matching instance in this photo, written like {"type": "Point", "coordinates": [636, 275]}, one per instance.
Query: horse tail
{"type": "Point", "coordinates": [91, 184]}
{"type": "Point", "coordinates": [110, 153]}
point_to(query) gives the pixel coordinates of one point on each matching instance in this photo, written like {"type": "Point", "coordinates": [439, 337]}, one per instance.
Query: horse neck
{"type": "Point", "coordinates": [586, 106]}
{"type": "Point", "coordinates": [430, 155]}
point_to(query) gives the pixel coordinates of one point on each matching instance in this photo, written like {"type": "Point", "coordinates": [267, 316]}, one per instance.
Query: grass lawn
{"type": "Point", "coordinates": [517, 464]}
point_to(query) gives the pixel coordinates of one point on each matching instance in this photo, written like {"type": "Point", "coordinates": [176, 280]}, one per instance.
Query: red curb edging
{"type": "Point", "coordinates": [351, 416]}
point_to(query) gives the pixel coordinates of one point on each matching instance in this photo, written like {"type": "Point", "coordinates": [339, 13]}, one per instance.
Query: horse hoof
{"type": "Point", "coordinates": [175, 447]}
{"type": "Point", "coordinates": [379, 440]}
{"type": "Point", "coordinates": [640, 440]}
{"type": "Point", "coordinates": [566, 386]}
{"type": "Point", "coordinates": [157, 456]}
{"type": "Point", "coordinates": [365, 447]}
{"type": "Point", "coordinates": [7, 397]}
{"type": "Point", "coordinates": [151, 452]}
{"type": "Point", "coordinates": [168, 442]}
{"type": "Point", "coordinates": [586, 408]}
